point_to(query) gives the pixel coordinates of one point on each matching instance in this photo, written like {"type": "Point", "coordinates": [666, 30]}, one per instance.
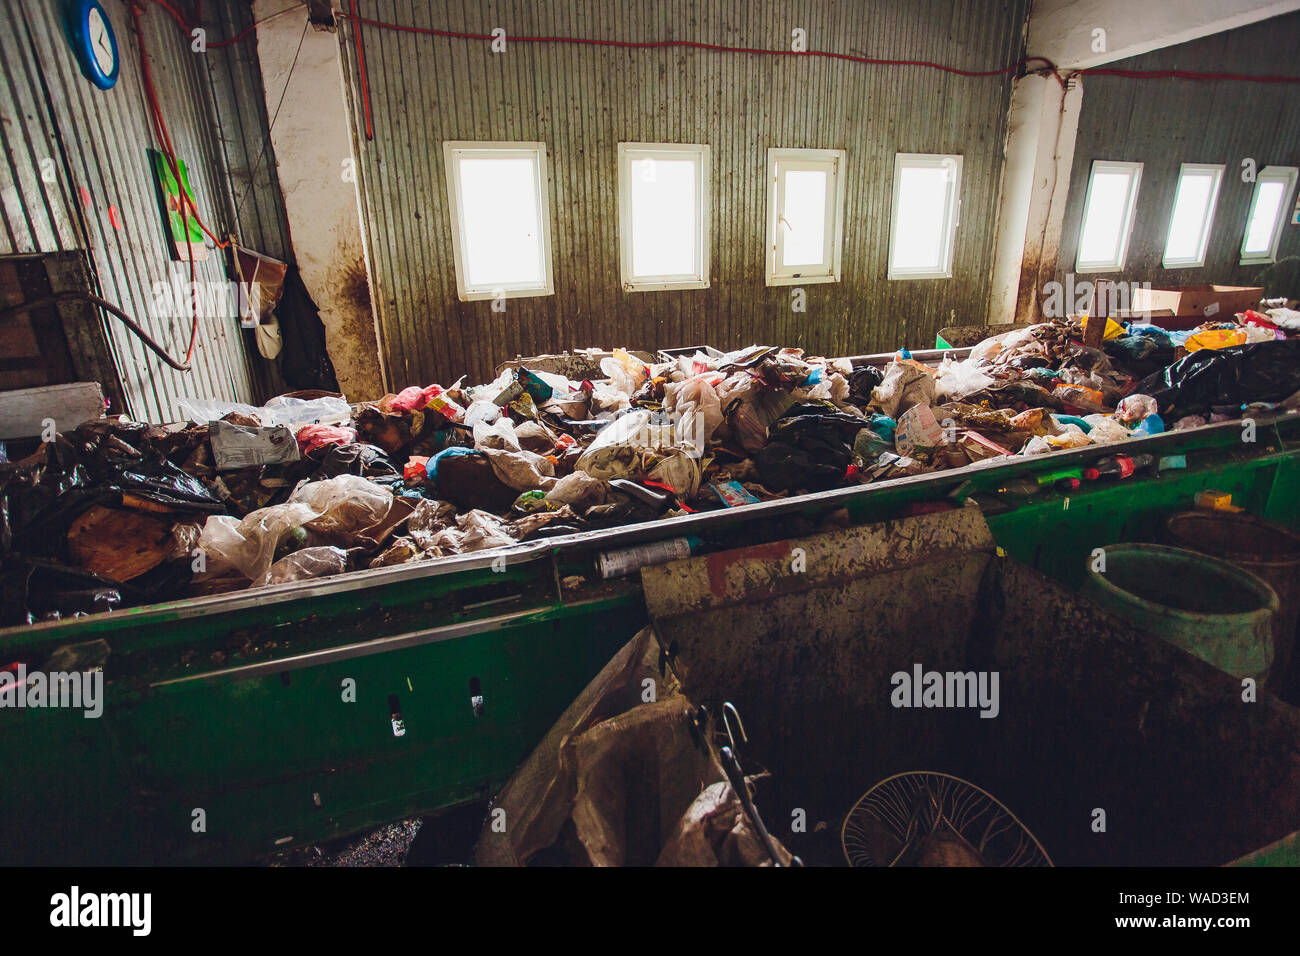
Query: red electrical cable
{"type": "Point", "coordinates": [169, 154]}
{"type": "Point", "coordinates": [361, 69]}
{"type": "Point", "coordinates": [716, 47]}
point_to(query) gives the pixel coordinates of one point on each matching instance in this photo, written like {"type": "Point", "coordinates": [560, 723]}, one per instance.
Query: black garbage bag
{"type": "Point", "coordinates": [358, 458]}
{"type": "Point", "coordinates": [808, 451]}
{"type": "Point", "coordinates": [1237, 375]}
{"type": "Point", "coordinates": [861, 381]}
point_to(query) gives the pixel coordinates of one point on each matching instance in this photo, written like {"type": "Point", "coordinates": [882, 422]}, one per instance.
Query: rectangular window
{"type": "Point", "coordinates": [1189, 224]}
{"type": "Point", "coordinates": [499, 198]}
{"type": "Point", "coordinates": [663, 225]}
{"type": "Point", "coordinates": [1267, 214]}
{"type": "Point", "coordinates": [805, 215]}
{"type": "Point", "coordinates": [923, 225]}
{"type": "Point", "coordinates": [1107, 216]}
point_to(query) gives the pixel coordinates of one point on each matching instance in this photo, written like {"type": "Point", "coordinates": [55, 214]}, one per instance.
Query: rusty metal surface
{"type": "Point", "coordinates": [583, 100]}
{"type": "Point", "coordinates": [1091, 714]}
{"type": "Point", "coordinates": [766, 572]}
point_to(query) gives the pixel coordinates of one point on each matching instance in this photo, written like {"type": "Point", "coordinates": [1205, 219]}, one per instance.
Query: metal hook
{"type": "Point", "coordinates": [729, 708]}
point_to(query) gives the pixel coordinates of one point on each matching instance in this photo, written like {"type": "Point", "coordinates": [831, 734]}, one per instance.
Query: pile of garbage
{"type": "Point", "coordinates": [118, 513]}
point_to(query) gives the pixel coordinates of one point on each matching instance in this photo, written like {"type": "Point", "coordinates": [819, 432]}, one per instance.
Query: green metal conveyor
{"type": "Point", "coordinates": [238, 724]}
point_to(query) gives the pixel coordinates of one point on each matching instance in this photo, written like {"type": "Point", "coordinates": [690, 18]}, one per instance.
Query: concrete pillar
{"type": "Point", "coordinates": [312, 141]}
{"type": "Point", "coordinates": [1041, 129]}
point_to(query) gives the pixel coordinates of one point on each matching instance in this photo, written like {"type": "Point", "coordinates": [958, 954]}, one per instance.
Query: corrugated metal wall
{"type": "Point", "coordinates": [582, 101]}
{"type": "Point", "coordinates": [98, 141]}
{"type": "Point", "coordinates": [1163, 123]}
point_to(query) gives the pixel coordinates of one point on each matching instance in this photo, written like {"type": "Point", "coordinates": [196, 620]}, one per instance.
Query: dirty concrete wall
{"type": "Point", "coordinates": [313, 150]}
{"type": "Point", "coordinates": [583, 100]}
{"type": "Point", "coordinates": [1163, 123]}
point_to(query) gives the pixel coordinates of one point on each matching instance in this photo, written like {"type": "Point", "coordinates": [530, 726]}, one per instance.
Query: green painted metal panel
{"type": "Point", "coordinates": [234, 705]}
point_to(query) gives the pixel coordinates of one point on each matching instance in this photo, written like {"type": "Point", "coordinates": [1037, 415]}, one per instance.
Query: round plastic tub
{"type": "Point", "coordinates": [1266, 550]}
{"type": "Point", "coordinates": [1208, 607]}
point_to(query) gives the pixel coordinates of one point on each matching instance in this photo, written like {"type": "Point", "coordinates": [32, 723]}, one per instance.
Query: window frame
{"type": "Point", "coordinates": [1203, 246]}
{"type": "Point", "coordinates": [830, 161]}
{"type": "Point", "coordinates": [952, 213]}
{"type": "Point", "coordinates": [452, 151]}
{"type": "Point", "coordinates": [1287, 175]}
{"type": "Point", "coordinates": [1135, 185]}
{"type": "Point", "coordinates": [699, 279]}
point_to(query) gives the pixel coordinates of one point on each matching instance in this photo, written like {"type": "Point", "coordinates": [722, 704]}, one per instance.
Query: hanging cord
{"type": "Point", "coordinates": [108, 307]}
{"type": "Point", "coordinates": [267, 139]}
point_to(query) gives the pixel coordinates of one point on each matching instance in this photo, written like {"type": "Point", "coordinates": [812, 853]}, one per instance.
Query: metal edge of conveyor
{"type": "Point", "coordinates": [344, 652]}
{"type": "Point", "coordinates": [187, 608]}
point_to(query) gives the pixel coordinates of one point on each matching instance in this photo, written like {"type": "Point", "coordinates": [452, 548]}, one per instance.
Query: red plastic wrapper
{"type": "Point", "coordinates": [413, 398]}
{"type": "Point", "coordinates": [313, 437]}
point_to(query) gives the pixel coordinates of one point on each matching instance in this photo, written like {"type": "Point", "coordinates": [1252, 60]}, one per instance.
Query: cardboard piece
{"type": "Point", "coordinates": [917, 428]}
{"type": "Point", "coordinates": [1204, 301]}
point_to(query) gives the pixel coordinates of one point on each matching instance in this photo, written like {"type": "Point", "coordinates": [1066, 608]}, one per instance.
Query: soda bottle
{"type": "Point", "coordinates": [1118, 466]}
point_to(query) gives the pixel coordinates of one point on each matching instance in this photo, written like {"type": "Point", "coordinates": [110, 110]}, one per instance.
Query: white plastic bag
{"type": "Point", "coordinates": [956, 380]}
{"type": "Point", "coordinates": [626, 372]}
{"type": "Point", "coordinates": [697, 410]}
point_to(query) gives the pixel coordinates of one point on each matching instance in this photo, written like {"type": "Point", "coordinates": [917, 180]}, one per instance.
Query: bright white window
{"type": "Point", "coordinates": [923, 225]}
{"type": "Point", "coordinates": [1268, 208]}
{"type": "Point", "coordinates": [1108, 216]}
{"type": "Point", "coordinates": [1189, 225]}
{"type": "Point", "coordinates": [500, 219]}
{"type": "Point", "coordinates": [663, 226]}
{"type": "Point", "coordinates": [805, 215]}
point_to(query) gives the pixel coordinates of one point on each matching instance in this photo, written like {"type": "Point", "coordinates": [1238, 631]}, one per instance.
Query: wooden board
{"type": "Point", "coordinates": [23, 411]}
{"type": "Point", "coordinates": [118, 544]}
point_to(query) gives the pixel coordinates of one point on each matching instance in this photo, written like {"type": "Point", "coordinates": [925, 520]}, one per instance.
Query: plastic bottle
{"type": "Point", "coordinates": [621, 561]}
{"type": "Point", "coordinates": [1118, 466]}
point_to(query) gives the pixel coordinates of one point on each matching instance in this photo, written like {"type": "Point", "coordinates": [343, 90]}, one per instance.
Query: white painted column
{"type": "Point", "coordinates": [312, 143]}
{"type": "Point", "coordinates": [1041, 131]}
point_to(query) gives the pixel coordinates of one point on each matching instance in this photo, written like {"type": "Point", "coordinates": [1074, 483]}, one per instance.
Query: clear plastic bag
{"type": "Point", "coordinates": [697, 410]}
{"type": "Point", "coordinates": [336, 511]}
{"type": "Point", "coordinates": [319, 562]}
{"type": "Point", "coordinates": [281, 410]}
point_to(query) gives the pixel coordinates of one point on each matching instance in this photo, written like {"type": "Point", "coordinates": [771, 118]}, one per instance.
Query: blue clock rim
{"type": "Point", "coordinates": [86, 53]}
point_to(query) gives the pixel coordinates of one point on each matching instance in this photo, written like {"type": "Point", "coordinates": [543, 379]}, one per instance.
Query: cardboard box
{"type": "Point", "coordinates": [1202, 301]}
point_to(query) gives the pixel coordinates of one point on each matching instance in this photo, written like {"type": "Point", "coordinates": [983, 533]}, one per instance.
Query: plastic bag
{"type": "Point", "coordinates": [956, 380]}
{"type": "Point", "coordinates": [1104, 429]}
{"type": "Point", "coordinates": [1071, 436]}
{"type": "Point", "coordinates": [626, 372]}
{"type": "Point", "coordinates": [316, 562]}
{"type": "Point", "coordinates": [1136, 407]}
{"type": "Point", "coordinates": [1260, 372]}
{"type": "Point", "coordinates": [906, 383]}
{"type": "Point", "coordinates": [335, 511]}
{"type": "Point", "coordinates": [281, 410]}
{"type": "Point", "coordinates": [315, 437]}
{"type": "Point", "coordinates": [579, 490]}
{"type": "Point", "coordinates": [697, 409]}
{"type": "Point", "coordinates": [472, 531]}
{"type": "Point", "coordinates": [749, 408]}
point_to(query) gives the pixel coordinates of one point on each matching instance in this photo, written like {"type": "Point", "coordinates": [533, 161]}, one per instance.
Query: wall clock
{"type": "Point", "coordinates": [94, 43]}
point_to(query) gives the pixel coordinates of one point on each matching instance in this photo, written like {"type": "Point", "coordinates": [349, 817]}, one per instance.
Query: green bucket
{"type": "Point", "coordinates": [1207, 607]}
